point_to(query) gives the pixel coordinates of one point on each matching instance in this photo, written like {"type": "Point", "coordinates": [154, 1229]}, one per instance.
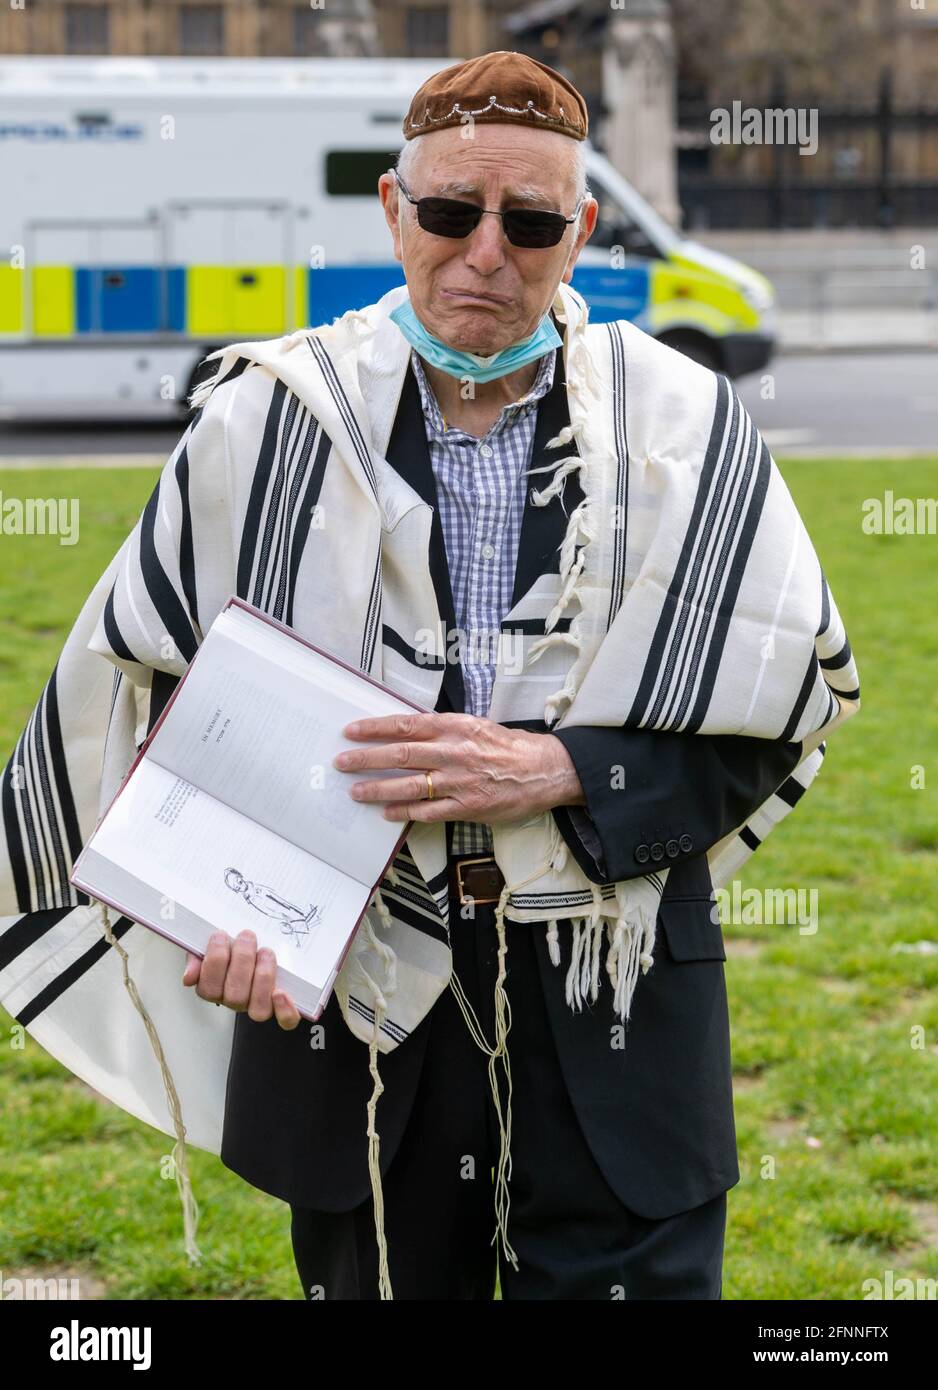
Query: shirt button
{"type": "Point", "coordinates": [485, 451]}
{"type": "Point", "coordinates": [488, 551]}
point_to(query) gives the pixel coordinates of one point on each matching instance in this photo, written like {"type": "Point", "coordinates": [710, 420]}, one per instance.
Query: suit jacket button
{"type": "Point", "coordinates": [641, 853]}
{"type": "Point", "coordinates": [672, 849]}
{"type": "Point", "coordinates": [686, 843]}
{"type": "Point", "coordinates": [657, 851]}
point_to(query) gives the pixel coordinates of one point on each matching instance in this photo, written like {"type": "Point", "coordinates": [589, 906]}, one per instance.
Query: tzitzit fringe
{"type": "Point", "coordinates": [583, 382]}
{"type": "Point", "coordinates": [502, 1029]}
{"type": "Point", "coordinates": [389, 960]}
{"type": "Point", "coordinates": [190, 1207]}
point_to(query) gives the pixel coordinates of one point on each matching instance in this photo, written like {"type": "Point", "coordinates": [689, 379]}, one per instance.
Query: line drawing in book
{"type": "Point", "coordinates": [294, 922]}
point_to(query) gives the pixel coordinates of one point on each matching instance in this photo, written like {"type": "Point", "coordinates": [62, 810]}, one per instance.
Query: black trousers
{"type": "Point", "coordinates": [572, 1237]}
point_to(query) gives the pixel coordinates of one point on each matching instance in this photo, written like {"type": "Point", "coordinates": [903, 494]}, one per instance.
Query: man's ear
{"type": "Point", "coordinates": [587, 224]}
{"type": "Point", "coordinates": [390, 201]}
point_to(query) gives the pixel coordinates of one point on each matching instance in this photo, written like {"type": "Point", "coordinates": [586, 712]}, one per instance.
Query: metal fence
{"type": "Point", "coordinates": [791, 195]}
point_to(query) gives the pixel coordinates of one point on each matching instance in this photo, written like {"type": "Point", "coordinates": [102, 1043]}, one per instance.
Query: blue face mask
{"type": "Point", "coordinates": [466, 364]}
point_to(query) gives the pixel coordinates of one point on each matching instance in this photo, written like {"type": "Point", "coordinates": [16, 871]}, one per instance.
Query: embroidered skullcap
{"type": "Point", "coordinates": [502, 86]}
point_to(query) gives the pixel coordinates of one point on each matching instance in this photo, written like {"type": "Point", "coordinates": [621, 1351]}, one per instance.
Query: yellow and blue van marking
{"type": "Point", "coordinates": [210, 301]}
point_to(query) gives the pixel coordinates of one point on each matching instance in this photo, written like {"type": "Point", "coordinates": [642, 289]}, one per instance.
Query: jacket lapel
{"type": "Point", "coordinates": [409, 453]}
{"type": "Point", "coordinates": [543, 528]}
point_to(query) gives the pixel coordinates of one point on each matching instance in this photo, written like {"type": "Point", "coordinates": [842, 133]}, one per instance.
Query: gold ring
{"type": "Point", "coordinates": [429, 795]}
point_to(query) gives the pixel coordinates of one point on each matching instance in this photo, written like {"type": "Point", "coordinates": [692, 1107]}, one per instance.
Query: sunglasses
{"type": "Point", "coordinates": [530, 227]}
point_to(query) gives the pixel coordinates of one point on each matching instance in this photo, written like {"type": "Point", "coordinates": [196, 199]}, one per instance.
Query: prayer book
{"type": "Point", "coordinates": [233, 816]}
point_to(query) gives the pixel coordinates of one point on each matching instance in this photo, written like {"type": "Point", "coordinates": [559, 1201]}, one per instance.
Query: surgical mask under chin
{"type": "Point", "coordinates": [467, 364]}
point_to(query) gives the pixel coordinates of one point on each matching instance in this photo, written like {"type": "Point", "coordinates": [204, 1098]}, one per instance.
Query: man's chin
{"type": "Point", "coordinates": [472, 329]}
{"type": "Point", "coordinates": [466, 337]}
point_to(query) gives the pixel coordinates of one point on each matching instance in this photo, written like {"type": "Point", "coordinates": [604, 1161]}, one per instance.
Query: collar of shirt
{"type": "Point", "coordinates": [509, 413]}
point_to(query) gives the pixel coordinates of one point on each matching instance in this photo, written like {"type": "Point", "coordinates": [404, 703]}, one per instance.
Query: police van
{"type": "Point", "coordinates": [154, 209]}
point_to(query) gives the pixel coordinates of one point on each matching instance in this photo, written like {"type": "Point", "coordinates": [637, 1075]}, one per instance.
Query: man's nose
{"type": "Point", "coordinates": [485, 252]}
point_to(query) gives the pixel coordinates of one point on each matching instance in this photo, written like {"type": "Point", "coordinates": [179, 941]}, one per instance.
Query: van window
{"type": "Point", "coordinates": [355, 173]}
{"type": "Point", "coordinates": [615, 227]}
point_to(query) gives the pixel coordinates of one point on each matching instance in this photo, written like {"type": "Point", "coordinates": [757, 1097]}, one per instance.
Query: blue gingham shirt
{"type": "Point", "coordinates": [480, 486]}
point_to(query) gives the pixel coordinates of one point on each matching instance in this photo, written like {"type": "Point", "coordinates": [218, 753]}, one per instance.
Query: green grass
{"type": "Point", "coordinates": [831, 1095]}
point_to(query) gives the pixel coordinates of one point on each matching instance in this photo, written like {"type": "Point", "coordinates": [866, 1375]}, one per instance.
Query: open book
{"type": "Point", "coordinates": [232, 815]}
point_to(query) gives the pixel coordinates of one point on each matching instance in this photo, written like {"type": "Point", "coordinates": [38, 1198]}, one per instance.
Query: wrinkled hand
{"type": "Point", "coordinates": [238, 975]}
{"type": "Point", "coordinates": [481, 770]}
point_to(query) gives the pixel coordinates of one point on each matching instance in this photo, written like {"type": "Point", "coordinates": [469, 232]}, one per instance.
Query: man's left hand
{"type": "Point", "coordinates": [481, 770]}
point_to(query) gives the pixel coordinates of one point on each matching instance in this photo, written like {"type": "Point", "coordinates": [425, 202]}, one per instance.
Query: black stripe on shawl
{"type": "Point", "coordinates": [533, 627]}
{"type": "Point", "coordinates": [15, 845]}
{"type": "Point", "coordinates": [113, 633]}
{"type": "Point", "coordinates": [272, 503]}
{"type": "Point", "coordinates": [807, 685]}
{"type": "Point", "coordinates": [418, 911]}
{"type": "Point", "coordinates": [692, 614]}
{"type": "Point", "coordinates": [742, 535]}
{"type": "Point", "coordinates": [619, 407]}
{"type": "Point", "coordinates": [186, 551]}
{"type": "Point", "coordinates": [337, 391]}
{"type": "Point", "coordinates": [310, 499]}
{"type": "Point", "coordinates": [57, 748]}
{"type": "Point", "coordinates": [159, 586]}
{"type": "Point", "coordinates": [672, 599]}
{"type": "Point", "coordinates": [834, 663]}
{"type": "Point", "coordinates": [26, 806]}
{"type": "Point", "coordinates": [811, 674]}
{"type": "Point", "coordinates": [259, 482]}
{"type": "Point", "coordinates": [369, 636]}
{"type": "Point", "coordinates": [302, 449]}
{"type": "Point", "coordinates": [791, 791]}
{"type": "Point", "coordinates": [749, 838]}
{"type": "Point", "coordinates": [331, 378]}
{"type": "Point", "coordinates": [439, 881]}
{"type": "Point", "coordinates": [235, 371]}
{"type": "Point", "coordinates": [62, 818]}
{"type": "Point", "coordinates": [47, 826]}
{"type": "Point", "coordinates": [393, 1030]}
{"type": "Point", "coordinates": [30, 929]}
{"type": "Point", "coordinates": [722, 529]}
{"type": "Point", "coordinates": [825, 622]}
{"type": "Point", "coordinates": [162, 685]}
{"type": "Point", "coordinates": [393, 640]}
{"type": "Point", "coordinates": [66, 978]}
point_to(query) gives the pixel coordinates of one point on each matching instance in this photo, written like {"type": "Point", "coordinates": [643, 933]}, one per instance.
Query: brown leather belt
{"type": "Point", "coordinates": [477, 880]}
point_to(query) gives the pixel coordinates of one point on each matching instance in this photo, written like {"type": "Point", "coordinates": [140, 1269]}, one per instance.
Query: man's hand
{"type": "Point", "coordinates": [237, 974]}
{"type": "Point", "coordinates": [481, 770]}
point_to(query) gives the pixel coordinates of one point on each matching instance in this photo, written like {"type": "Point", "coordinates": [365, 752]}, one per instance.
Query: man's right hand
{"type": "Point", "coordinates": [238, 975]}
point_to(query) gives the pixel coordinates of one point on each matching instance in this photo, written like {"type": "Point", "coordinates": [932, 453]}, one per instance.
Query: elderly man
{"type": "Point", "coordinates": [633, 662]}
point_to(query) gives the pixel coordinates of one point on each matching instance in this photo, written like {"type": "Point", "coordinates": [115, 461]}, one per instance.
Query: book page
{"type": "Point", "coordinates": [257, 723]}
{"type": "Point", "coordinates": [218, 864]}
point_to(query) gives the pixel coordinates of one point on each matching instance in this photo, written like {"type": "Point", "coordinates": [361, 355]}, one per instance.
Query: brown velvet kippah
{"type": "Point", "coordinates": [500, 86]}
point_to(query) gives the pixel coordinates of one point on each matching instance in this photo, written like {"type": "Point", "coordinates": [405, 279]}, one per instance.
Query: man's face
{"type": "Point", "coordinates": [480, 293]}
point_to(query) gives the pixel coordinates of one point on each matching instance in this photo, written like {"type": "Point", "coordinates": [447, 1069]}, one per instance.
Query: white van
{"type": "Point", "coordinates": [155, 209]}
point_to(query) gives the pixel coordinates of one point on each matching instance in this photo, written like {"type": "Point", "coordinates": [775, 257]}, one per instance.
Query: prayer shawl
{"type": "Point", "coordinates": [692, 599]}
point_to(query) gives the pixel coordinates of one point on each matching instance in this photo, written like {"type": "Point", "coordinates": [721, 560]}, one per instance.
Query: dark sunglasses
{"type": "Point", "coordinates": [528, 227]}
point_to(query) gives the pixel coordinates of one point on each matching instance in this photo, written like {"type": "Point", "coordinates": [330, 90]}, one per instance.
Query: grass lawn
{"type": "Point", "coordinates": [835, 1034]}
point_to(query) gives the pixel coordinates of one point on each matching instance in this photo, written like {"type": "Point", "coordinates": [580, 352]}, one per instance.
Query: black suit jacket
{"type": "Point", "coordinates": [658, 1113]}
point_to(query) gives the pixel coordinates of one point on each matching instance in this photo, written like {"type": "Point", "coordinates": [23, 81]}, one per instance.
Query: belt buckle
{"type": "Point", "coordinates": [464, 863]}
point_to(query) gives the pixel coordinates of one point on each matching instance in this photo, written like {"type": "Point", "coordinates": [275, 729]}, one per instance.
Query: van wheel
{"type": "Point", "coordinates": [696, 347]}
